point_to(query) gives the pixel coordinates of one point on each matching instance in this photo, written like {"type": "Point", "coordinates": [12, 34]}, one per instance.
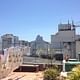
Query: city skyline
{"type": "Point", "coordinates": [28, 18]}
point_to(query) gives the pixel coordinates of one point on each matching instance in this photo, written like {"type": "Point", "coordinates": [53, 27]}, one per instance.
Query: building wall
{"type": "Point", "coordinates": [0, 44]}
{"type": "Point", "coordinates": [64, 39]}
{"type": "Point", "coordinates": [9, 40]}
{"type": "Point", "coordinates": [63, 36]}
{"type": "Point", "coordinates": [16, 41]}
{"type": "Point", "coordinates": [26, 51]}
{"type": "Point", "coordinates": [77, 48]}
{"type": "Point", "coordinates": [23, 43]}
{"type": "Point", "coordinates": [39, 46]}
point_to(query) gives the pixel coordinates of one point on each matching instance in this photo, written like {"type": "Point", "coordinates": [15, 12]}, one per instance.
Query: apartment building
{"type": "Point", "coordinates": [9, 40]}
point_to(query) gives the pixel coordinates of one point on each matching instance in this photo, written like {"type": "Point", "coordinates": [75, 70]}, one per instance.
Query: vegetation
{"type": "Point", "coordinates": [74, 74]}
{"type": "Point", "coordinates": [51, 73]}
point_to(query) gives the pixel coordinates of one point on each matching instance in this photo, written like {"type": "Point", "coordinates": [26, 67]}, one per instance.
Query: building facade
{"type": "Point", "coordinates": [0, 44]}
{"type": "Point", "coordinates": [9, 40]}
{"type": "Point", "coordinates": [24, 43]}
{"type": "Point", "coordinates": [64, 41]}
{"type": "Point", "coordinates": [78, 49]}
{"type": "Point", "coordinates": [39, 46]}
{"type": "Point", "coordinates": [26, 51]}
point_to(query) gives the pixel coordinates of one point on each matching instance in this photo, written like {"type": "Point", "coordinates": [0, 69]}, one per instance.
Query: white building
{"type": "Point", "coordinates": [9, 40]}
{"type": "Point", "coordinates": [26, 51]}
{"type": "Point", "coordinates": [63, 42]}
{"type": "Point", "coordinates": [39, 46]}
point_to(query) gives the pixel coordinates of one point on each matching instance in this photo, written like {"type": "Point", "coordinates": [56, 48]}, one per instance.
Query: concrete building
{"type": "Point", "coordinates": [26, 51]}
{"type": "Point", "coordinates": [78, 49]}
{"type": "Point", "coordinates": [9, 40]}
{"type": "Point", "coordinates": [0, 44]}
{"type": "Point", "coordinates": [64, 41]}
{"type": "Point", "coordinates": [26, 47]}
{"type": "Point", "coordinates": [39, 46]}
{"type": "Point", "coordinates": [24, 43]}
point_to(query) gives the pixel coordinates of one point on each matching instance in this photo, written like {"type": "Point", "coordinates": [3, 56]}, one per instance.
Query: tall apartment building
{"type": "Point", "coordinates": [64, 41]}
{"type": "Point", "coordinates": [9, 40]}
{"type": "Point", "coordinates": [39, 46]}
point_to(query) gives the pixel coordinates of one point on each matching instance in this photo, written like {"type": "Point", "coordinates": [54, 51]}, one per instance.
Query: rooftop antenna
{"type": "Point", "coordinates": [68, 21]}
{"type": "Point", "coordinates": [73, 26]}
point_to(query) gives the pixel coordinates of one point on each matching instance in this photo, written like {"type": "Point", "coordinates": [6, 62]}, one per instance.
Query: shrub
{"type": "Point", "coordinates": [51, 74]}
{"type": "Point", "coordinates": [74, 74]}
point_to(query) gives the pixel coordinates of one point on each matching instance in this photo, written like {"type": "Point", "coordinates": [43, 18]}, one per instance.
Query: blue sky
{"type": "Point", "coordinates": [28, 18]}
